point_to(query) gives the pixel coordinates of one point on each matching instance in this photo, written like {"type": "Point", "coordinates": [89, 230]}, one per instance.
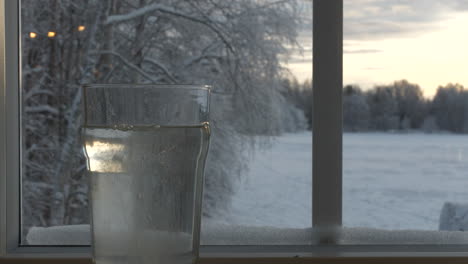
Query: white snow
{"type": "Point", "coordinates": [391, 181]}
{"type": "Point", "coordinates": [218, 233]}
{"type": "Point", "coordinates": [134, 14]}
{"type": "Point", "coordinates": [395, 186]}
{"type": "Point", "coordinates": [277, 191]}
{"type": "Point", "coordinates": [215, 233]}
{"type": "Point", "coordinates": [401, 181]}
{"type": "Point", "coordinates": [59, 235]}
{"type": "Point", "coordinates": [41, 108]}
{"type": "Point", "coordinates": [372, 236]}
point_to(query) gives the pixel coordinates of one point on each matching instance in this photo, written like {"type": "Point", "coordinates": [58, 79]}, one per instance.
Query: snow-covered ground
{"type": "Point", "coordinates": [391, 181]}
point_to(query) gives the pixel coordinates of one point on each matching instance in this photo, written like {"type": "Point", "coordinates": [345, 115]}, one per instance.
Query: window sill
{"type": "Point", "coordinates": [268, 260]}
{"type": "Point", "coordinates": [361, 252]}
{"type": "Point", "coordinates": [232, 235]}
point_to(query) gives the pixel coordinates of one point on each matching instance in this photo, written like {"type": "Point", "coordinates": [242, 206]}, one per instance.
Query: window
{"type": "Point", "coordinates": [235, 47]}
{"type": "Point", "coordinates": [327, 169]}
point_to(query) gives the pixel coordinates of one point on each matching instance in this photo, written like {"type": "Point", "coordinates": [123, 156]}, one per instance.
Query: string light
{"type": "Point", "coordinates": [81, 28]}
{"type": "Point", "coordinates": [51, 34]}
{"type": "Point", "coordinates": [32, 35]}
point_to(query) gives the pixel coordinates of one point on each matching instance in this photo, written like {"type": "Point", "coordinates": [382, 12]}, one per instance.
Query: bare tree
{"type": "Point", "coordinates": [450, 105]}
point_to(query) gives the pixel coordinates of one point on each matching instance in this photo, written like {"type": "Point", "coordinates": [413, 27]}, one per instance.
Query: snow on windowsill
{"type": "Point", "coordinates": [222, 234]}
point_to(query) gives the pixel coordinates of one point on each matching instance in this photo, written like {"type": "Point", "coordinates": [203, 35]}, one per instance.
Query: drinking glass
{"type": "Point", "coordinates": [146, 147]}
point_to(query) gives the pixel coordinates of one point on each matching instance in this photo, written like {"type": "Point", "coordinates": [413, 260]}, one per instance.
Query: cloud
{"type": "Point", "coordinates": [373, 68]}
{"type": "Point", "coordinates": [362, 51]}
{"type": "Point", "coordinates": [377, 19]}
{"type": "Point", "coordinates": [460, 5]}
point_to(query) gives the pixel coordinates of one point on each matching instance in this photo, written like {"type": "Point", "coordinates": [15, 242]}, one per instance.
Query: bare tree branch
{"type": "Point", "coordinates": [34, 92]}
{"type": "Point", "coordinates": [130, 65]}
{"type": "Point", "coordinates": [201, 57]}
{"type": "Point", "coordinates": [41, 108]}
{"type": "Point", "coordinates": [204, 54]}
{"type": "Point", "coordinates": [134, 14]}
{"type": "Point", "coordinates": [164, 9]}
{"type": "Point", "coordinates": [161, 67]}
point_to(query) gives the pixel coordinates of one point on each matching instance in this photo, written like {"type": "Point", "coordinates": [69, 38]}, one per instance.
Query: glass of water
{"type": "Point", "coordinates": [146, 147]}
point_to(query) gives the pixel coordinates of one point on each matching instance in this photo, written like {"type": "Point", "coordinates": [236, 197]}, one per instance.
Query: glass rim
{"type": "Point", "coordinates": [148, 85]}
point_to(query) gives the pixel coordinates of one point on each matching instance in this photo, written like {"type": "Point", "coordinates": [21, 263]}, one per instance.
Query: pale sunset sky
{"type": "Point", "coordinates": [423, 41]}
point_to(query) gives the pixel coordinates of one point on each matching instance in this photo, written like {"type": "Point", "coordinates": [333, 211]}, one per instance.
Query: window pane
{"type": "Point", "coordinates": [250, 51]}
{"type": "Point", "coordinates": [405, 122]}
{"type": "Point", "coordinates": [270, 201]}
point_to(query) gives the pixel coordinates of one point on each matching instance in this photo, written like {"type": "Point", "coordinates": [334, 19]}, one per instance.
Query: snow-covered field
{"type": "Point", "coordinates": [391, 181]}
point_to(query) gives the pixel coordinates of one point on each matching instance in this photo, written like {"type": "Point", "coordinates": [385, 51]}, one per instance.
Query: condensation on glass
{"type": "Point", "coordinates": [146, 147]}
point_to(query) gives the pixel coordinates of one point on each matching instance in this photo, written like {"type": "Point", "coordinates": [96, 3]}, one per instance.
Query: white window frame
{"type": "Point", "coordinates": [327, 169]}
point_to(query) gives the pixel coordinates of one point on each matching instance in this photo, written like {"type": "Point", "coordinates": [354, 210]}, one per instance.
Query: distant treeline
{"type": "Point", "coordinates": [397, 106]}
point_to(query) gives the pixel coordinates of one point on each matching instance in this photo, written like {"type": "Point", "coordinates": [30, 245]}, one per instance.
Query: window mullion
{"type": "Point", "coordinates": [3, 188]}
{"type": "Point", "coordinates": [12, 123]}
{"type": "Point", "coordinates": [327, 117]}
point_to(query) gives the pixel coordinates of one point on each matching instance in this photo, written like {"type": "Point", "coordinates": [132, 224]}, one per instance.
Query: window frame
{"type": "Point", "coordinates": [327, 169]}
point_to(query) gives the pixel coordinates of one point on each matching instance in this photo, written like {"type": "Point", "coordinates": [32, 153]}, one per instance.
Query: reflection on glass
{"type": "Point", "coordinates": [104, 156]}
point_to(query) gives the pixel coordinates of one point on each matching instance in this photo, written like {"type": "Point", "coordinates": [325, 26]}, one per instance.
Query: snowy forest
{"type": "Point", "coordinates": [400, 106]}
{"type": "Point", "coordinates": [235, 46]}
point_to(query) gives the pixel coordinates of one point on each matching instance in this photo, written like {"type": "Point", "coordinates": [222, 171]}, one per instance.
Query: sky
{"type": "Point", "coordinates": [423, 41]}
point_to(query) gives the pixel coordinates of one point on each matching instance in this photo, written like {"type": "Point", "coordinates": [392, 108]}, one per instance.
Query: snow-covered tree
{"type": "Point", "coordinates": [299, 95]}
{"type": "Point", "coordinates": [396, 106]}
{"type": "Point", "coordinates": [411, 105]}
{"type": "Point", "coordinates": [383, 109]}
{"type": "Point", "coordinates": [355, 110]}
{"type": "Point", "coordinates": [450, 105]}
